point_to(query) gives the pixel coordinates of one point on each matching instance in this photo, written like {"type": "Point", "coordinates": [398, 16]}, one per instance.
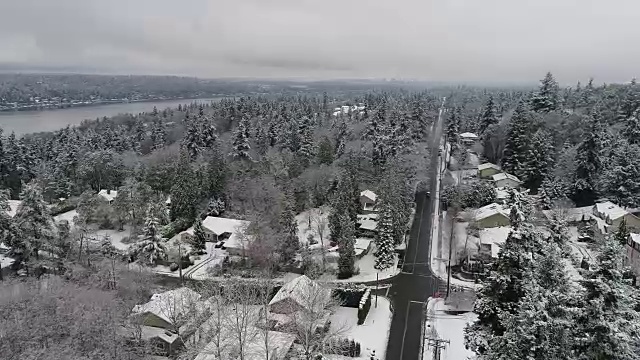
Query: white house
{"type": "Point", "coordinates": [108, 195]}
{"type": "Point", "coordinates": [505, 180]}
{"type": "Point", "coordinates": [492, 215]}
{"type": "Point", "coordinates": [163, 309]}
{"type": "Point", "coordinates": [367, 224]}
{"type": "Point", "coordinates": [613, 215]}
{"type": "Point", "coordinates": [223, 229]}
{"type": "Point", "coordinates": [468, 138]}
{"type": "Point", "coordinates": [368, 200]}
{"type": "Point", "coordinates": [492, 239]}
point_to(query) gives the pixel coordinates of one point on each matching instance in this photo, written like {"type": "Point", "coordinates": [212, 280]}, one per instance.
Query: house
{"type": "Point", "coordinates": [164, 309]}
{"type": "Point", "coordinates": [368, 201]}
{"type": "Point", "coordinates": [613, 215]}
{"type": "Point", "coordinates": [367, 225]}
{"type": "Point", "coordinates": [164, 341]}
{"type": "Point", "coordinates": [362, 247]}
{"type": "Point", "coordinates": [492, 240]}
{"type": "Point", "coordinates": [468, 138]}
{"type": "Point", "coordinates": [299, 294]}
{"type": "Point", "coordinates": [278, 343]}
{"type": "Point", "coordinates": [573, 216]}
{"type": "Point", "coordinates": [487, 170]}
{"type": "Point", "coordinates": [492, 215]}
{"type": "Point", "coordinates": [108, 195]}
{"type": "Point", "coordinates": [223, 229]}
{"type": "Point", "coordinates": [633, 253]}
{"type": "Point", "coordinates": [505, 180]}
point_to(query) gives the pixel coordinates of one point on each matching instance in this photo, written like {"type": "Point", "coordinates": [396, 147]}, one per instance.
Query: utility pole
{"type": "Point", "coordinates": [377, 282]}
{"type": "Point", "coordinates": [180, 262]}
{"type": "Point", "coordinates": [453, 220]}
{"type": "Point", "coordinates": [438, 345]}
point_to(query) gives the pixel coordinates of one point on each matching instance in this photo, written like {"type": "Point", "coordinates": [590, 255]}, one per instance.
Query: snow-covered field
{"type": "Point", "coordinates": [115, 236]}
{"type": "Point", "coordinates": [367, 271]}
{"type": "Point", "coordinates": [373, 335]}
{"type": "Point", "coordinates": [440, 325]}
{"type": "Point", "coordinates": [308, 225]}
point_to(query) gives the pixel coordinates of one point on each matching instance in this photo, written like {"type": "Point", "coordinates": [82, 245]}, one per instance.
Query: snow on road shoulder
{"type": "Point", "coordinates": [373, 335]}
{"type": "Point", "coordinates": [441, 325]}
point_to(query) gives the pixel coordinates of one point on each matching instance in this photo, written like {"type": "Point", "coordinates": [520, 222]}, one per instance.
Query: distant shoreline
{"type": "Point", "coordinates": [37, 108]}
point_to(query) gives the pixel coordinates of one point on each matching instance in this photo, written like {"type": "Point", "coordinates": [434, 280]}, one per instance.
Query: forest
{"type": "Point", "coordinates": [267, 158]}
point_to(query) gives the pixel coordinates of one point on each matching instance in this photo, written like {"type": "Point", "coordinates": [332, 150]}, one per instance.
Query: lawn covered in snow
{"type": "Point", "coordinates": [373, 335]}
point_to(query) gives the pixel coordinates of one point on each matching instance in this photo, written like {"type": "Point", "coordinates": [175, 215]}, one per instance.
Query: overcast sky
{"type": "Point", "coordinates": [450, 40]}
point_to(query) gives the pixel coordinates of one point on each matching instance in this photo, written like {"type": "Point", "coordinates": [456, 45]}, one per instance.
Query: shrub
{"type": "Point", "coordinates": [471, 195]}
{"type": "Point", "coordinates": [349, 297]}
{"type": "Point", "coordinates": [173, 266]}
{"type": "Point", "coordinates": [345, 347]}
{"type": "Point", "coordinates": [364, 307]}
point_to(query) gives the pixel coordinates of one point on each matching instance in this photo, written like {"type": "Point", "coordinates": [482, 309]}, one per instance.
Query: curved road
{"type": "Point", "coordinates": [416, 283]}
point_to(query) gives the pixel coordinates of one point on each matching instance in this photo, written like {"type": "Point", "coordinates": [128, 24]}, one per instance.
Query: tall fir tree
{"type": "Point", "coordinates": [289, 242]}
{"type": "Point", "coordinates": [488, 116]}
{"type": "Point", "coordinates": [622, 234]}
{"type": "Point", "coordinates": [589, 164]}
{"type": "Point", "coordinates": [306, 148]}
{"type": "Point", "coordinates": [241, 147]}
{"type": "Point", "coordinates": [453, 127]}
{"type": "Point", "coordinates": [150, 250]}
{"type": "Point", "coordinates": [516, 154]}
{"type": "Point", "coordinates": [346, 251]}
{"type": "Point", "coordinates": [199, 242]}
{"type": "Point", "coordinates": [547, 97]}
{"type": "Point", "coordinates": [540, 161]}
{"type": "Point", "coordinates": [385, 244]}
{"type": "Point", "coordinates": [34, 225]}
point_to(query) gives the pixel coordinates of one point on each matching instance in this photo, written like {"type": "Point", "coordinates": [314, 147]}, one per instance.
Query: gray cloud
{"type": "Point", "coordinates": [501, 40]}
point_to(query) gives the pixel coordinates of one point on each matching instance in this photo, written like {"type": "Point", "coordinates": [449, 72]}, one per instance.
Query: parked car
{"type": "Point", "coordinates": [219, 245]}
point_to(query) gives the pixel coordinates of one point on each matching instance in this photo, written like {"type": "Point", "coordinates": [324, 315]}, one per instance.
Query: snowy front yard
{"type": "Point", "coordinates": [367, 271]}
{"type": "Point", "coordinates": [373, 335]}
{"type": "Point", "coordinates": [115, 236]}
{"type": "Point", "coordinates": [440, 325]}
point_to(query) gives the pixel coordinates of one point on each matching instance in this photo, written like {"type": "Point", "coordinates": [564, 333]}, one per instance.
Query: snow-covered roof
{"type": "Point", "coordinates": [368, 221]}
{"type": "Point", "coordinates": [504, 176]}
{"type": "Point", "coordinates": [635, 238]}
{"type": "Point", "coordinates": [502, 194]}
{"type": "Point", "coordinates": [108, 195]}
{"type": "Point", "coordinates": [369, 194]}
{"type": "Point", "coordinates": [496, 235]}
{"type": "Point", "coordinates": [490, 210]}
{"type": "Point", "coordinates": [610, 211]}
{"type": "Point", "coordinates": [488, 166]}
{"type": "Point", "coordinates": [468, 135]}
{"type": "Point", "coordinates": [305, 292]}
{"type": "Point", "coordinates": [219, 225]}
{"type": "Point", "coordinates": [13, 207]}
{"type": "Point", "coordinates": [362, 243]}
{"type": "Point", "coordinates": [495, 250]}
{"type": "Point", "coordinates": [571, 214]}
{"type": "Point", "coordinates": [169, 304]}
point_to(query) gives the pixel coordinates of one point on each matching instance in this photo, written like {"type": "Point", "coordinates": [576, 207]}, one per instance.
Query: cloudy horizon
{"type": "Point", "coordinates": [445, 40]}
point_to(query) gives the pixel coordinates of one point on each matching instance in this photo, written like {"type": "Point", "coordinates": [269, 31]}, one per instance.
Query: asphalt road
{"type": "Point", "coordinates": [416, 283]}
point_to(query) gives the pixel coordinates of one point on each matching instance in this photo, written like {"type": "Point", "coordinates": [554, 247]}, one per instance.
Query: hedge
{"type": "Point", "coordinates": [364, 307]}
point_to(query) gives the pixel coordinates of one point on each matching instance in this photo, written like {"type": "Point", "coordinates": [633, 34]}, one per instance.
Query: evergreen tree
{"type": "Point", "coordinates": [241, 145]}
{"type": "Point", "coordinates": [608, 323]}
{"type": "Point", "coordinates": [199, 243]}
{"type": "Point", "coordinates": [150, 249]}
{"type": "Point", "coordinates": [8, 231]}
{"type": "Point", "coordinates": [540, 160]}
{"type": "Point", "coordinates": [622, 234]}
{"type": "Point", "coordinates": [346, 251]}
{"type": "Point", "coordinates": [34, 225]}
{"type": "Point", "coordinates": [488, 116]}
{"type": "Point", "coordinates": [619, 180]}
{"type": "Point", "coordinates": [289, 243]}
{"type": "Point", "coordinates": [305, 132]}
{"type": "Point", "coordinates": [453, 127]}
{"type": "Point", "coordinates": [385, 239]}
{"type": "Point", "coordinates": [190, 142]}
{"type": "Point", "coordinates": [588, 164]}
{"type": "Point", "coordinates": [632, 128]}
{"type": "Point", "coordinates": [341, 138]}
{"type": "Point", "coordinates": [516, 154]}
{"type": "Point", "coordinates": [325, 151]}
{"type": "Point", "coordinates": [158, 134]}
{"type": "Point", "coordinates": [547, 98]}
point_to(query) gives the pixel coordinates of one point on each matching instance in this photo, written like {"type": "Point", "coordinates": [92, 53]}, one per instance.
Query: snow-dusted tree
{"type": "Point", "coordinates": [190, 142]}
{"type": "Point", "coordinates": [305, 133]}
{"type": "Point", "coordinates": [241, 147]}
{"type": "Point", "coordinates": [622, 234]}
{"type": "Point", "coordinates": [8, 230]}
{"type": "Point", "coordinates": [516, 155]}
{"type": "Point", "coordinates": [289, 243]}
{"type": "Point", "coordinates": [34, 224]}
{"type": "Point", "coordinates": [158, 134]}
{"type": "Point", "coordinates": [547, 97]}
{"type": "Point", "coordinates": [608, 322]}
{"type": "Point", "coordinates": [346, 251]}
{"type": "Point", "coordinates": [385, 238]}
{"type": "Point", "coordinates": [151, 248]}
{"type": "Point", "coordinates": [453, 127]}
{"type": "Point", "coordinates": [589, 164]}
{"type": "Point", "coordinates": [199, 243]}
{"type": "Point", "coordinates": [632, 128]}
{"type": "Point", "coordinates": [325, 151]}
{"type": "Point", "coordinates": [540, 160]}
{"type": "Point", "coordinates": [341, 138]}
{"type": "Point", "coordinates": [619, 180]}
{"type": "Point", "coordinates": [488, 116]}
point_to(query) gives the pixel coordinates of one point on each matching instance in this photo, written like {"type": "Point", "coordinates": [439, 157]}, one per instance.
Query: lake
{"type": "Point", "coordinates": [23, 122]}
